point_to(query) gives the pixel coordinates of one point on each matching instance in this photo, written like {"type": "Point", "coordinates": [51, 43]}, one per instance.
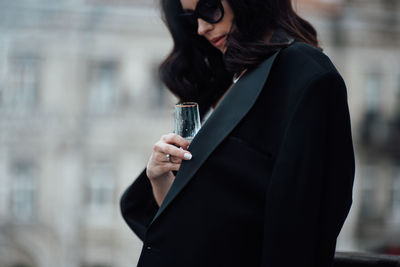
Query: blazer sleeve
{"type": "Point", "coordinates": [310, 192]}
{"type": "Point", "coordinates": [138, 205]}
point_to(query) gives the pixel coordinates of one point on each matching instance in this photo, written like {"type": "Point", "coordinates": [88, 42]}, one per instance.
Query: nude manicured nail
{"type": "Point", "coordinates": [187, 156]}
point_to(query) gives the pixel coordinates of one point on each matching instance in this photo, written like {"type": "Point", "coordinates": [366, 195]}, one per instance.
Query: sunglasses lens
{"type": "Point", "coordinates": [210, 10]}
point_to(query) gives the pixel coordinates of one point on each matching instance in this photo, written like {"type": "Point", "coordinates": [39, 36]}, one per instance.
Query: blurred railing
{"type": "Point", "coordinates": [355, 259]}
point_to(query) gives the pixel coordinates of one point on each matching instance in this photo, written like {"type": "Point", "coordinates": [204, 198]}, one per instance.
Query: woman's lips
{"type": "Point", "coordinates": [218, 41]}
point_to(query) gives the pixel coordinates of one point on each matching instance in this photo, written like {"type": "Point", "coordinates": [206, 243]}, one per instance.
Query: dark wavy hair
{"type": "Point", "coordinates": [196, 71]}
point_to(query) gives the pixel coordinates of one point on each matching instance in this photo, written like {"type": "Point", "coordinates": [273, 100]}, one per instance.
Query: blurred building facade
{"type": "Point", "coordinates": [80, 103]}
{"type": "Point", "coordinates": [81, 106]}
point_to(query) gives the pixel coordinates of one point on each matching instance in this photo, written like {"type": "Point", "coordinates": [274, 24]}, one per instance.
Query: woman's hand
{"type": "Point", "coordinates": [167, 156]}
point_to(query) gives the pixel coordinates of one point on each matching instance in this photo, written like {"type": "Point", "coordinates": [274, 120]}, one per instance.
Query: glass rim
{"type": "Point", "coordinates": [187, 104]}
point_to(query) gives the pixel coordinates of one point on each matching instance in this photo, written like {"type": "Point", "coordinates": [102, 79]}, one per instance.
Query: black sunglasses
{"type": "Point", "coordinates": [210, 11]}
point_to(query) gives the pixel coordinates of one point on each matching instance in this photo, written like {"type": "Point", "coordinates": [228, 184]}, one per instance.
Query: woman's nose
{"type": "Point", "coordinates": [203, 27]}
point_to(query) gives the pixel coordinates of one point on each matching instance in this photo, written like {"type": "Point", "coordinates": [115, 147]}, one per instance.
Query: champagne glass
{"type": "Point", "coordinates": [187, 120]}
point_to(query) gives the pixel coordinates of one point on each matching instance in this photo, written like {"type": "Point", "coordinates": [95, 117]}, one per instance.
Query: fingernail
{"type": "Point", "coordinates": [187, 156]}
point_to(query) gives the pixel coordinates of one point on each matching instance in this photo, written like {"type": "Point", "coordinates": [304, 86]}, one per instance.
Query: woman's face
{"type": "Point", "coordinates": [215, 33]}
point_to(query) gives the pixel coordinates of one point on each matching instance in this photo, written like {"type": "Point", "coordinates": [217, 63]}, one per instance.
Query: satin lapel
{"type": "Point", "coordinates": [233, 107]}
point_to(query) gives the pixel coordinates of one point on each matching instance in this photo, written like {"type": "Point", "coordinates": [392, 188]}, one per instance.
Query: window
{"type": "Point", "coordinates": [103, 91]}
{"type": "Point", "coordinates": [368, 189]}
{"type": "Point", "coordinates": [101, 185]}
{"type": "Point", "coordinates": [374, 129]}
{"type": "Point", "coordinates": [395, 207]}
{"type": "Point", "coordinates": [160, 90]}
{"type": "Point", "coordinates": [398, 97]}
{"type": "Point", "coordinates": [372, 92]}
{"type": "Point", "coordinates": [22, 84]}
{"type": "Point", "coordinates": [23, 190]}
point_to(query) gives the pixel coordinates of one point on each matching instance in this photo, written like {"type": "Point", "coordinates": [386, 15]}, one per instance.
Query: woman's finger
{"type": "Point", "coordinates": [160, 157]}
{"type": "Point", "coordinates": [168, 166]}
{"type": "Point", "coordinates": [175, 160]}
{"type": "Point", "coordinates": [172, 150]}
{"type": "Point", "coordinates": [167, 156]}
{"type": "Point", "coordinates": [175, 139]}
{"type": "Point", "coordinates": [175, 166]}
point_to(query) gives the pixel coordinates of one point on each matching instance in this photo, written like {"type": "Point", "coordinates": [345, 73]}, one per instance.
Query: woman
{"type": "Point", "coordinates": [267, 181]}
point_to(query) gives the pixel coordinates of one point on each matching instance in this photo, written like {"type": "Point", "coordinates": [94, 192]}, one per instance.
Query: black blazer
{"type": "Point", "coordinates": [270, 181]}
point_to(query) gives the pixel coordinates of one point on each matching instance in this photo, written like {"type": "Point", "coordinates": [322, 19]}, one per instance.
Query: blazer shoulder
{"type": "Point", "coordinates": [304, 56]}
{"type": "Point", "coordinates": [302, 70]}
